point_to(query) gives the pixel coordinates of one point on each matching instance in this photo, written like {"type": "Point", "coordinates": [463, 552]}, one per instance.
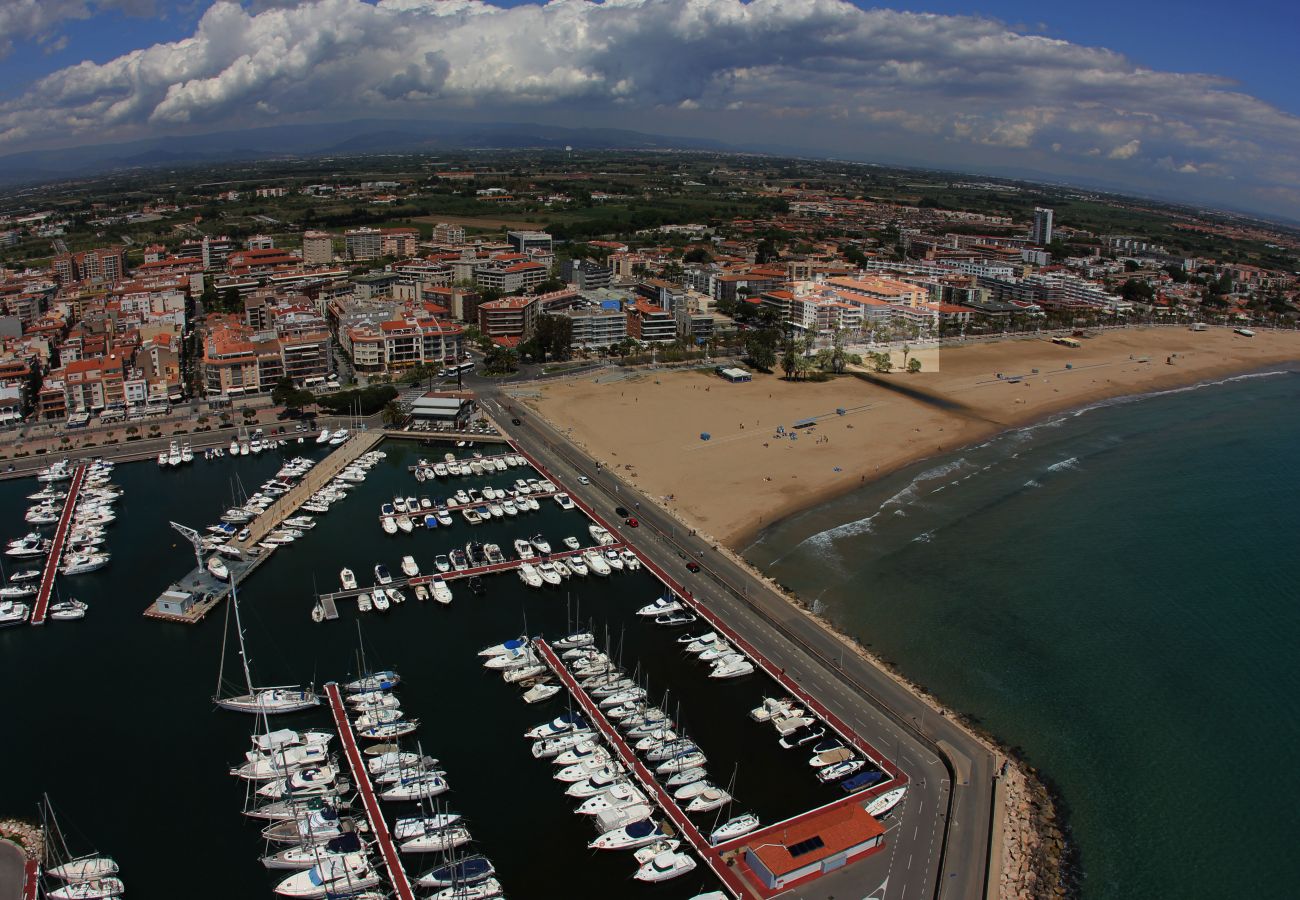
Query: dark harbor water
{"type": "Point", "coordinates": [112, 715]}
{"type": "Point", "coordinates": [1117, 592]}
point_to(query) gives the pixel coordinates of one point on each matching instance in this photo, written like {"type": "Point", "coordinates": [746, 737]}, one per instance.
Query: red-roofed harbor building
{"type": "Point", "coordinates": [814, 845]}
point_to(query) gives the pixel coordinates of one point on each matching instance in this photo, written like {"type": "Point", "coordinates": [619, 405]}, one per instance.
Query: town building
{"type": "Point", "coordinates": [363, 243]}
{"type": "Point", "coordinates": [1040, 232]}
{"type": "Point", "coordinates": [529, 241]}
{"type": "Point", "coordinates": [317, 248]}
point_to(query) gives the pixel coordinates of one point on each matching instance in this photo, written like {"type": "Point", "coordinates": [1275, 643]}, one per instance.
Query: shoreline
{"type": "Point", "coordinates": [1037, 856]}
{"type": "Point", "coordinates": [740, 540]}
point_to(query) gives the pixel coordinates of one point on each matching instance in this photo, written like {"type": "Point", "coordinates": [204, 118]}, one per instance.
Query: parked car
{"type": "Point", "coordinates": [693, 566]}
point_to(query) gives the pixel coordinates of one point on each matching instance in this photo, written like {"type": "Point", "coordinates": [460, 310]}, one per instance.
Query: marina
{"type": "Point", "coordinates": [774, 784]}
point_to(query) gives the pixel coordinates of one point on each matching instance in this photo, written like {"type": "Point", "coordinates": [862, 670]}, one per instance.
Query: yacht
{"type": "Point", "coordinates": [886, 801]}
{"type": "Point", "coordinates": [693, 790]}
{"type": "Point", "coordinates": [564, 501]}
{"type": "Point", "coordinates": [409, 567]}
{"type": "Point", "coordinates": [13, 613]}
{"type": "Point", "coordinates": [95, 889]}
{"type": "Point", "coordinates": [842, 769]}
{"type": "Point", "coordinates": [442, 563]}
{"type": "Point", "coordinates": [389, 730]}
{"type": "Point", "coordinates": [549, 573]}
{"type": "Point", "coordinates": [338, 437]}
{"type": "Point", "coordinates": [734, 828]}
{"type": "Point", "coordinates": [666, 865]}
{"type": "Point", "coordinates": [660, 606]}
{"type": "Point", "coordinates": [422, 786]}
{"type": "Point", "coordinates": [324, 436]}
{"type": "Point", "coordinates": [524, 549]}
{"type": "Point", "coordinates": [630, 560]}
{"type": "Point", "coordinates": [487, 889]}
{"type": "Point", "coordinates": [332, 876]}
{"type": "Point", "coordinates": [468, 871]}
{"type": "Point", "coordinates": [304, 856]}
{"type": "Point", "coordinates": [382, 575]}
{"type": "Point", "coordinates": [529, 575]}
{"type": "Point", "coordinates": [81, 563]}
{"type": "Point", "coordinates": [731, 667]}
{"type": "Point", "coordinates": [542, 545]}
{"type": "Point", "coordinates": [384, 680]}
{"type": "Point", "coordinates": [708, 800]}
{"type": "Point", "coordinates": [68, 610]}
{"type": "Point", "coordinates": [348, 579]}
{"type": "Point", "coordinates": [574, 641]}
{"type": "Point", "coordinates": [506, 648]}
{"type": "Point", "coordinates": [614, 560]}
{"type": "Point", "coordinates": [217, 566]}
{"type": "Point", "coordinates": [572, 543]}
{"type": "Point", "coordinates": [631, 836]}
{"type": "Point", "coordinates": [620, 795]}
{"type": "Point", "coordinates": [600, 535]}
{"type": "Point", "coordinates": [596, 562]}
{"type": "Point", "coordinates": [685, 777]}
{"type": "Point", "coordinates": [540, 691]}
{"type": "Point", "coordinates": [772, 708]}
{"type": "Point", "coordinates": [380, 600]}
{"type": "Point", "coordinates": [441, 592]}
{"type": "Point", "coordinates": [436, 841]}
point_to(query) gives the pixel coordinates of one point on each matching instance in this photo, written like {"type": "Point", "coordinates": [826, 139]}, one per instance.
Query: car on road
{"type": "Point", "coordinates": [693, 566]}
{"type": "Point", "coordinates": [632, 523]}
{"type": "Point", "coordinates": [583, 479]}
{"type": "Point", "coordinates": [621, 512]}
{"type": "Point", "coordinates": [515, 422]}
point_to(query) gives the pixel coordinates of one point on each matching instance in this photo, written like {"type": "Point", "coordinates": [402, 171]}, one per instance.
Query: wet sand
{"type": "Point", "coordinates": [648, 427]}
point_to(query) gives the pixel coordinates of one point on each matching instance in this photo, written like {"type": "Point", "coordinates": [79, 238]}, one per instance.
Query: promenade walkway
{"type": "Point", "coordinates": [361, 778]}
{"type": "Point", "coordinates": [51, 569]}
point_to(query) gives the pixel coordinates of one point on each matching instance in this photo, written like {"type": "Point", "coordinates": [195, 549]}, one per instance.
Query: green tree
{"type": "Point", "coordinates": [697, 255]}
{"type": "Point", "coordinates": [882, 363]}
{"type": "Point", "coordinates": [789, 360]}
{"type": "Point", "coordinates": [392, 413]}
{"type": "Point", "coordinates": [500, 361]}
{"type": "Point", "coordinates": [907, 350]}
{"type": "Point", "coordinates": [284, 392]}
{"type": "Point", "coordinates": [230, 301]}
{"type": "Point", "coordinates": [913, 365]}
{"type": "Point", "coordinates": [760, 348]}
{"type": "Point", "coordinates": [548, 286]}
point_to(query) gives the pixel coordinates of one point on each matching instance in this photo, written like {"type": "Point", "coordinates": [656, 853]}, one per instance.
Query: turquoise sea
{"type": "Point", "coordinates": [1116, 592]}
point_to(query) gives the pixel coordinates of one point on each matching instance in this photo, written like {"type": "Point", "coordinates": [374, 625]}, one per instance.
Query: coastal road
{"type": "Point", "coordinates": [939, 839]}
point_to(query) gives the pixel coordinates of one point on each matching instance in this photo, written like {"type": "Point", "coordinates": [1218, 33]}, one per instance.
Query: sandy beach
{"type": "Point", "coordinates": [648, 426]}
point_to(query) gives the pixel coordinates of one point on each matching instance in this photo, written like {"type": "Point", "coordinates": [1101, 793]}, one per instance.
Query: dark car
{"type": "Point", "coordinates": [621, 512]}
{"type": "Point", "coordinates": [693, 566]}
{"type": "Point", "coordinates": [632, 523]}
{"type": "Point", "coordinates": [515, 422]}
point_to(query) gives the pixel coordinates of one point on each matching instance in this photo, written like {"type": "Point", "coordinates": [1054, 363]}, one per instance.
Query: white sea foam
{"type": "Point", "coordinates": [1031, 483]}
{"type": "Point", "coordinates": [1071, 463]}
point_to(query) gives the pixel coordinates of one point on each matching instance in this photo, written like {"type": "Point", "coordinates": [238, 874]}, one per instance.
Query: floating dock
{"type": "Point", "coordinates": [361, 778]}
{"type": "Point", "coordinates": [478, 459]}
{"type": "Point", "coordinates": [56, 548]}
{"type": "Point", "coordinates": [596, 716]}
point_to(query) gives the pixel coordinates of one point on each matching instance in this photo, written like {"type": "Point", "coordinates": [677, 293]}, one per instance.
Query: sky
{"type": "Point", "coordinates": [1188, 101]}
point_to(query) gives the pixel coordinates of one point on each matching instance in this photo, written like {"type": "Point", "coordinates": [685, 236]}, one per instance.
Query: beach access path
{"type": "Point", "coordinates": [939, 839]}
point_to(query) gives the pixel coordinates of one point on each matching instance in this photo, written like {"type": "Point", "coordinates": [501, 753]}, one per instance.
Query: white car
{"type": "Point", "coordinates": [583, 479]}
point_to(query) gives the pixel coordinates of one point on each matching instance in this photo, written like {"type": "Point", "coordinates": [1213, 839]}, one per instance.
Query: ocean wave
{"type": "Point", "coordinates": [1071, 463]}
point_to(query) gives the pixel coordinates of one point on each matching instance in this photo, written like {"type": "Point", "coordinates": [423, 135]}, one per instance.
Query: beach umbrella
{"type": "Point", "coordinates": [704, 436]}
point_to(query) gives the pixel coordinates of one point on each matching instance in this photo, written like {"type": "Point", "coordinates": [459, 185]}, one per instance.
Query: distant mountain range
{"type": "Point", "coordinates": [357, 137]}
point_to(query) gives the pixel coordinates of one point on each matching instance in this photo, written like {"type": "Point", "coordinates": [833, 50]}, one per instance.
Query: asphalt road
{"type": "Point", "coordinates": [938, 839]}
{"type": "Point", "coordinates": [12, 871]}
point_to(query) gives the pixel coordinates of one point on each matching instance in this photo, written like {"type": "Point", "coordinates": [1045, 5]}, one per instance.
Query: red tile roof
{"type": "Point", "coordinates": [839, 829]}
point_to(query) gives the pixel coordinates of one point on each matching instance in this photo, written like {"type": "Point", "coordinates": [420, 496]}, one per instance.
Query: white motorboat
{"type": "Point", "coordinates": [380, 600]}
{"type": "Point", "coordinates": [16, 592]}
{"type": "Point", "coordinates": [666, 865]}
{"type": "Point", "coordinates": [837, 770]}
{"type": "Point", "coordinates": [529, 575]}
{"type": "Point", "coordinates": [620, 795]}
{"type": "Point", "coordinates": [436, 841]}
{"type": "Point", "coordinates": [483, 890]}
{"type": "Point", "coordinates": [574, 641]}
{"type": "Point", "coordinates": [409, 567]}
{"type": "Point", "coordinates": [600, 535]}
{"type": "Point", "coordinates": [305, 782]}
{"type": "Point", "coordinates": [564, 501]}
{"type": "Point", "coordinates": [572, 543]}
{"type": "Point", "coordinates": [549, 573]}
{"type": "Point", "coordinates": [95, 889]}
{"type": "Point", "coordinates": [442, 563]}
{"type": "Point", "coordinates": [324, 436]}
{"type": "Point", "coordinates": [733, 828]}
{"type": "Point", "coordinates": [693, 790]}
{"type": "Point", "coordinates": [382, 575]}
{"type": "Point", "coordinates": [217, 567]}
{"type": "Point", "coordinates": [364, 603]}
{"type": "Point", "coordinates": [771, 708]}
{"type": "Point", "coordinates": [269, 766]}
{"type": "Point", "coordinates": [596, 563]}
{"type": "Point", "coordinates": [631, 836]}
{"type": "Point", "coordinates": [68, 610]}
{"type": "Point", "coordinates": [708, 800]}
{"type": "Point", "coordinates": [389, 524]}
{"type": "Point", "coordinates": [513, 660]}
{"type": "Point", "coordinates": [505, 648]}
{"type": "Point", "coordinates": [348, 579]}
{"type": "Point", "coordinates": [660, 606]}
{"type": "Point", "coordinates": [441, 592]}
{"type": "Point", "coordinates": [82, 563]}
{"type": "Point", "coordinates": [731, 667]}
{"type": "Point", "coordinates": [541, 691]}
{"type": "Point", "coordinates": [405, 524]}
{"type": "Point", "coordinates": [630, 560]}
{"type": "Point", "coordinates": [524, 549]}
{"type": "Point", "coordinates": [543, 546]}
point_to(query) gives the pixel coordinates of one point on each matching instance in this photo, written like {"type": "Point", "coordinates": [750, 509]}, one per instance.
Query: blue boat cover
{"type": "Point", "coordinates": [643, 828]}
{"type": "Point", "coordinates": [861, 780]}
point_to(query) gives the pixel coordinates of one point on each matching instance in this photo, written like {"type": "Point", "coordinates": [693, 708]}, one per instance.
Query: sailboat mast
{"type": "Point", "coordinates": [239, 629]}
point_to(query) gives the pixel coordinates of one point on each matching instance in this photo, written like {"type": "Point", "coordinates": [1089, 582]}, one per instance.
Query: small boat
{"type": "Point", "coordinates": [543, 546]}
{"type": "Point", "coordinates": [541, 691]}
{"type": "Point", "coordinates": [389, 524]}
{"type": "Point", "coordinates": [733, 828]}
{"type": "Point", "coordinates": [731, 667]}
{"type": "Point", "coordinates": [861, 781]}
{"type": "Point", "coordinates": [511, 646]}
{"type": "Point", "coordinates": [384, 680]}
{"type": "Point", "coordinates": [332, 876]}
{"type": "Point", "coordinates": [600, 535]}
{"type": "Point", "coordinates": [381, 601]}
{"type": "Point", "coordinates": [404, 524]}
{"type": "Point", "coordinates": [530, 576]}
{"type": "Point", "coordinates": [421, 592]}
{"type": "Point", "coordinates": [382, 575]}
{"type": "Point", "coordinates": [348, 580]}
{"type": "Point", "coordinates": [389, 730]}
{"type": "Point", "coordinates": [885, 802]}
{"type": "Point", "coordinates": [68, 610]}
{"type": "Point", "coordinates": [524, 549]}
{"type": "Point", "coordinates": [441, 592]}
{"type": "Point", "coordinates": [468, 871]}
{"type": "Point", "coordinates": [666, 865]}
{"type": "Point", "coordinates": [572, 543]}
{"type": "Point", "coordinates": [596, 563]}
{"type": "Point", "coordinates": [484, 890]}
{"type": "Point", "coordinates": [660, 606]}
{"type": "Point", "coordinates": [364, 603]}
{"type": "Point", "coordinates": [839, 770]}
{"type": "Point", "coordinates": [217, 567]}
{"type": "Point", "coordinates": [636, 834]}
{"type": "Point", "coordinates": [574, 641]}
{"type": "Point", "coordinates": [549, 573]}
{"type": "Point", "coordinates": [442, 563]}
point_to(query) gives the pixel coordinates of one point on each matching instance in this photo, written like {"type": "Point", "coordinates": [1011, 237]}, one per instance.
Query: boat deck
{"type": "Point", "coordinates": [596, 716]}
{"type": "Point", "coordinates": [361, 778]}
{"type": "Point", "coordinates": [509, 565]}
{"type": "Point", "coordinates": [56, 549]}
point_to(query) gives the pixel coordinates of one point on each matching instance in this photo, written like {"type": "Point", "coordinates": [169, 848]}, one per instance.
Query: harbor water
{"type": "Point", "coordinates": [113, 716]}
{"type": "Point", "coordinates": [1116, 592]}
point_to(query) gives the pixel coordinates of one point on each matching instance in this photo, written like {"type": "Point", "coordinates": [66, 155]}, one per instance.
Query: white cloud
{"type": "Point", "coordinates": [1126, 151]}
{"type": "Point", "coordinates": [878, 76]}
{"type": "Point", "coordinates": [22, 20]}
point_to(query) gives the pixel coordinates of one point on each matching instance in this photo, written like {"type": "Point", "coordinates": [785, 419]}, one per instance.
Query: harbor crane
{"type": "Point", "coordinates": [194, 538]}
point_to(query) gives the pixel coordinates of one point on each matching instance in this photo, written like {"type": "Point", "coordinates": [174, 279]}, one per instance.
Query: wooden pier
{"type": "Point", "coordinates": [56, 548]}
{"type": "Point", "coordinates": [509, 565]}
{"type": "Point", "coordinates": [361, 778]}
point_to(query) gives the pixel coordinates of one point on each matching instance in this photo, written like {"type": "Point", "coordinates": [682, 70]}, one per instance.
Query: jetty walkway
{"type": "Point", "coordinates": [596, 716]}
{"type": "Point", "coordinates": [316, 478]}
{"type": "Point", "coordinates": [361, 778]}
{"type": "Point", "coordinates": [56, 548]}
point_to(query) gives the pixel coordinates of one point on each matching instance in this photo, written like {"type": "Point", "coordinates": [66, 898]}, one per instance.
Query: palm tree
{"type": "Point", "coordinates": [790, 360]}
{"type": "Point", "coordinates": [392, 413]}
{"type": "Point", "coordinates": [906, 350]}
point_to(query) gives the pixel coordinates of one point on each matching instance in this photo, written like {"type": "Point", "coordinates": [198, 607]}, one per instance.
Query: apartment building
{"type": "Point", "coordinates": [399, 242]}
{"type": "Point", "coordinates": [509, 277]}
{"type": "Point", "coordinates": [529, 241]}
{"type": "Point", "coordinates": [363, 243]}
{"type": "Point", "coordinates": [585, 275]}
{"type": "Point", "coordinates": [317, 248]}
{"type": "Point", "coordinates": [448, 235]}
{"type": "Point", "coordinates": [101, 264]}
{"type": "Point", "coordinates": [651, 324]}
